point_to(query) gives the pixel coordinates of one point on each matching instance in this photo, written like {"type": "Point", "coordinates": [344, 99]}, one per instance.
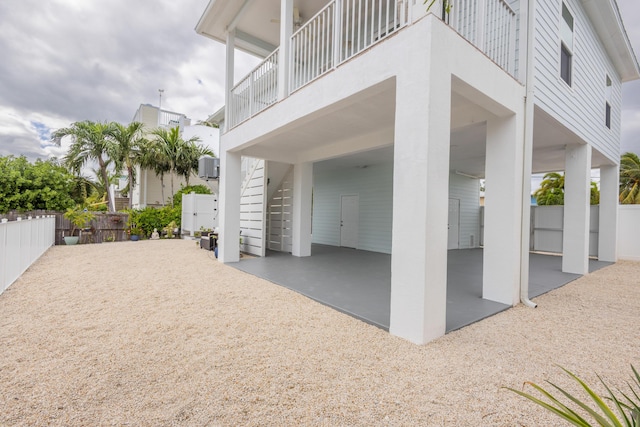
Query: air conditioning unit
{"type": "Point", "coordinates": [208, 167]}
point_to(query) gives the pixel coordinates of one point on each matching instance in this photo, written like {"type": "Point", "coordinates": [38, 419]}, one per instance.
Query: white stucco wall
{"type": "Point", "coordinates": [629, 232]}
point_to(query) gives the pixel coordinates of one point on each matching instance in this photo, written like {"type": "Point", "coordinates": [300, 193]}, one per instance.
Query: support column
{"type": "Point", "coordinates": [420, 203]}
{"type": "Point", "coordinates": [577, 188]}
{"type": "Point", "coordinates": [302, 190]}
{"type": "Point", "coordinates": [229, 207]}
{"type": "Point", "coordinates": [503, 210]}
{"type": "Point", "coordinates": [229, 77]}
{"type": "Point", "coordinates": [286, 30]}
{"type": "Point", "coordinates": [608, 215]}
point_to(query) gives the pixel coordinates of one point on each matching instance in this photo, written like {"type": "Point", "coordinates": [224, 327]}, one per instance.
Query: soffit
{"type": "Point", "coordinates": [606, 19]}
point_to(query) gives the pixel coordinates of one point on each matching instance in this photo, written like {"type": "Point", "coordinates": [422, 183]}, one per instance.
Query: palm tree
{"type": "Point", "coordinates": [91, 141]}
{"type": "Point", "coordinates": [188, 162]}
{"type": "Point", "coordinates": [129, 140]}
{"type": "Point", "coordinates": [551, 191]}
{"type": "Point", "coordinates": [173, 151]}
{"type": "Point", "coordinates": [629, 179]}
{"type": "Point", "coordinates": [152, 157]}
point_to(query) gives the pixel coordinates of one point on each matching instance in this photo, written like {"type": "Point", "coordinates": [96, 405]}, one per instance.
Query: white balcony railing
{"type": "Point", "coordinates": [344, 28]}
{"type": "Point", "coordinates": [341, 30]}
{"type": "Point", "coordinates": [168, 119]}
{"type": "Point", "coordinates": [490, 25]}
{"type": "Point", "coordinates": [255, 92]}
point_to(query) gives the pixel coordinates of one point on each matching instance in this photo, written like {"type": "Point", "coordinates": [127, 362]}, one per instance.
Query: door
{"type": "Point", "coordinates": [454, 224]}
{"type": "Point", "coordinates": [349, 212]}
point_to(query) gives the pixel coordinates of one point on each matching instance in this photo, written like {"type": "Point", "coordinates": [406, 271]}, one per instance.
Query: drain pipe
{"type": "Point", "coordinates": [527, 159]}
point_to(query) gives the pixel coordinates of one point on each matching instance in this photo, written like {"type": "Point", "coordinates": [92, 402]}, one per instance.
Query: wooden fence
{"type": "Point", "coordinates": [106, 227]}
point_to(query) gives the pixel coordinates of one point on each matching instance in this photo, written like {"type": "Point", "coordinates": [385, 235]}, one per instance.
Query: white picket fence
{"type": "Point", "coordinates": [21, 244]}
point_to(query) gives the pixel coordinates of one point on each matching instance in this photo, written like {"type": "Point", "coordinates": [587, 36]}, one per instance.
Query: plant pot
{"type": "Point", "coordinates": [135, 237]}
{"type": "Point", "coordinates": [71, 240]}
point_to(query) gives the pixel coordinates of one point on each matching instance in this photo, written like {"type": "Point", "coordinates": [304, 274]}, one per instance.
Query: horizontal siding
{"type": "Point", "coordinates": [374, 186]}
{"type": "Point", "coordinates": [252, 211]}
{"type": "Point", "coordinates": [581, 108]}
{"type": "Point", "coordinates": [467, 190]}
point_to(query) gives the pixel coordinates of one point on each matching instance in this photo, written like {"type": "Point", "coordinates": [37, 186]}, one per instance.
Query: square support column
{"type": "Point", "coordinates": [302, 190]}
{"type": "Point", "coordinates": [608, 227]}
{"type": "Point", "coordinates": [503, 210]}
{"type": "Point", "coordinates": [420, 204]}
{"type": "Point", "coordinates": [229, 77]}
{"type": "Point", "coordinates": [577, 189]}
{"type": "Point", "coordinates": [286, 30]}
{"type": "Point", "coordinates": [229, 207]}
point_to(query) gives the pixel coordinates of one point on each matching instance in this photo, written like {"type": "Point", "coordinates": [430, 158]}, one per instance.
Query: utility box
{"type": "Point", "coordinates": [199, 211]}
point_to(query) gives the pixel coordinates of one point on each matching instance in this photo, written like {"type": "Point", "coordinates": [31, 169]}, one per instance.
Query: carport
{"type": "Point", "coordinates": [358, 283]}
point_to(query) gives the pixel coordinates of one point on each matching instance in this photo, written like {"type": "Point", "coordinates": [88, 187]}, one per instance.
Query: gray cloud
{"type": "Point", "coordinates": [69, 60]}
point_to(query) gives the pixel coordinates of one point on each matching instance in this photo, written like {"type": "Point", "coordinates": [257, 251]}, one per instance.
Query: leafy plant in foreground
{"type": "Point", "coordinates": [627, 405]}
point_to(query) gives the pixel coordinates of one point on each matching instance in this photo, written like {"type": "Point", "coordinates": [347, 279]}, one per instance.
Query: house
{"type": "Point", "coordinates": [383, 117]}
{"type": "Point", "coordinates": [148, 190]}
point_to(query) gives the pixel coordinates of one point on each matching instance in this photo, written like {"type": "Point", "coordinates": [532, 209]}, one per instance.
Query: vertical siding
{"type": "Point", "coordinates": [581, 108]}
{"type": "Point", "coordinates": [467, 190]}
{"type": "Point", "coordinates": [374, 185]}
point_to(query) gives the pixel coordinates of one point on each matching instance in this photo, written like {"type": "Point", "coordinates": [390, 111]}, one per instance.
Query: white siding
{"type": "Point", "coordinates": [581, 107]}
{"type": "Point", "coordinates": [374, 185]}
{"type": "Point", "coordinates": [252, 209]}
{"type": "Point", "coordinates": [280, 216]}
{"type": "Point", "coordinates": [467, 190]}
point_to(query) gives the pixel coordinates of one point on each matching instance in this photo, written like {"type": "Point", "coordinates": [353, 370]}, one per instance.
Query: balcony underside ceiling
{"type": "Point", "coordinates": [359, 130]}
{"type": "Point", "coordinates": [257, 22]}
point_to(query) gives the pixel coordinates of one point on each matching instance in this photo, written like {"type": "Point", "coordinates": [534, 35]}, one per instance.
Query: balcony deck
{"type": "Point", "coordinates": [345, 28]}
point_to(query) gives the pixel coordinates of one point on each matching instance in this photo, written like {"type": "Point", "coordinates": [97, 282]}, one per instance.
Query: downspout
{"type": "Point", "coordinates": [527, 159]}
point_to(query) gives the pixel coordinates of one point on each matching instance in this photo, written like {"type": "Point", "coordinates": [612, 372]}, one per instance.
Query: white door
{"type": "Point", "coordinates": [350, 206]}
{"type": "Point", "coordinates": [454, 224]}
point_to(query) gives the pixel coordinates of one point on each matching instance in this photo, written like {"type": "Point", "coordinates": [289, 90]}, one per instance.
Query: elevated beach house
{"type": "Point", "coordinates": [372, 122]}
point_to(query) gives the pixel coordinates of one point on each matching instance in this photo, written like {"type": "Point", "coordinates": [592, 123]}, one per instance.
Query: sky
{"type": "Point", "coordinates": [63, 61]}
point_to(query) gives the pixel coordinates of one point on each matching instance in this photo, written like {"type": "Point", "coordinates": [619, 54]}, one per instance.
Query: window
{"type": "Point", "coordinates": [566, 45]}
{"type": "Point", "coordinates": [607, 103]}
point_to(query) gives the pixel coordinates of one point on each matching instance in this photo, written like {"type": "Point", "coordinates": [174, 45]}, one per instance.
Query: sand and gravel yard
{"type": "Point", "coordinates": [158, 333]}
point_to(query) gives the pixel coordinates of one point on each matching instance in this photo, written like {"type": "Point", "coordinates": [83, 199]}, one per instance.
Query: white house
{"type": "Point", "coordinates": [390, 114]}
{"type": "Point", "coordinates": [148, 190]}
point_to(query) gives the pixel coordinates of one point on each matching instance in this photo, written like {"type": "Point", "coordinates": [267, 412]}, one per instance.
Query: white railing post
{"type": "Point", "coordinates": [230, 63]}
{"type": "Point", "coordinates": [251, 92]}
{"type": "Point", "coordinates": [337, 33]}
{"type": "Point", "coordinates": [512, 46]}
{"type": "Point", "coordinates": [481, 27]}
{"type": "Point", "coordinates": [286, 29]}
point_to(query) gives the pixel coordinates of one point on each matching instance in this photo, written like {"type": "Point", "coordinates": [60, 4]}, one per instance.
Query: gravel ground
{"type": "Point", "coordinates": [158, 333]}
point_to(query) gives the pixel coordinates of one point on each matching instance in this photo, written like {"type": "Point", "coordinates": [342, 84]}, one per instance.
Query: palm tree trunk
{"type": "Point", "coordinates": [131, 184]}
{"type": "Point", "coordinates": [172, 192]}
{"type": "Point", "coordinates": [105, 178]}
{"type": "Point", "coordinates": [162, 187]}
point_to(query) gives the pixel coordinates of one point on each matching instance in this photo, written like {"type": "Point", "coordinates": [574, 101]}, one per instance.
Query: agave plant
{"type": "Point", "coordinates": [623, 410]}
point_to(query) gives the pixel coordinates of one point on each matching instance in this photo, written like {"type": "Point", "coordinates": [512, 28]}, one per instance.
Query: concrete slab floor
{"type": "Point", "coordinates": [358, 283]}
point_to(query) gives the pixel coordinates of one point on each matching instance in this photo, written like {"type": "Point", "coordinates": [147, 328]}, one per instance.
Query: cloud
{"type": "Point", "coordinates": [99, 60]}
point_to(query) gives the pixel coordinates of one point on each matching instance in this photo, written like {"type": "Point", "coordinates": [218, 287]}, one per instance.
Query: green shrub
{"type": "Point", "coordinates": [150, 218]}
{"type": "Point", "coordinates": [198, 189]}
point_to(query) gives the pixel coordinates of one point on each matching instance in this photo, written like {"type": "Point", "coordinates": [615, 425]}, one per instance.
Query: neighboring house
{"type": "Point", "coordinates": [148, 190]}
{"type": "Point", "coordinates": [383, 117]}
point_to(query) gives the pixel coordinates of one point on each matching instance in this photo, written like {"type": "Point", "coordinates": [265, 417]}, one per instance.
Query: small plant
{"type": "Point", "coordinates": [79, 218]}
{"type": "Point", "coordinates": [169, 229]}
{"type": "Point", "coordinates": [627, 405]}
{"type": "Point", "coordinates": [446, 5]}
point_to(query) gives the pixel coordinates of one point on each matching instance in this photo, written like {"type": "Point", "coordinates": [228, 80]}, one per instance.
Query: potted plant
{"type": "Point", "coordinates": [136, 233]}
{"type": "Point", "coordinates": [79, 219]}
